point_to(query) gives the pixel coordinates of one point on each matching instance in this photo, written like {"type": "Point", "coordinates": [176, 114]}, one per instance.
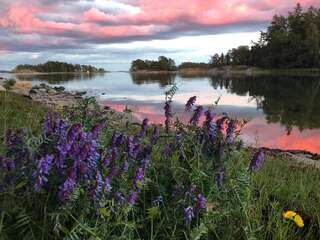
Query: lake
{"type": "Point", "coordinates": [283, 111]}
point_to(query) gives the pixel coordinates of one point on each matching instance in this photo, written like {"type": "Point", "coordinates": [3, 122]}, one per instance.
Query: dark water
{"type": "Point", "coordinates": [284, 111]}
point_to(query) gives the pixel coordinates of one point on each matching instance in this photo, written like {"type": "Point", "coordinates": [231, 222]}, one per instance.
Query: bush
{"type": "Point", "coordinates": [8, 84]}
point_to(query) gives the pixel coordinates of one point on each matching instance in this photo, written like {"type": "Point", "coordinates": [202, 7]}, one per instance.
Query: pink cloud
{"type": "Point", "coordinates": [95, 22]}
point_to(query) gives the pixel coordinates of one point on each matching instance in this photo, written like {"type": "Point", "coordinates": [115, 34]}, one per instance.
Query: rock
{"type": "Point", "coordinates": [2, 89]}
{"type": "Point", "coordinates": [51, 91]}
{"type": "Point", "coordinates": [59, 89]}
{"type": "Point", "coordinates": [33, 91]}
{"type": "Point", "coordinates": [80, 93]}
{"type": "Point", "coordinates": [23, 85]}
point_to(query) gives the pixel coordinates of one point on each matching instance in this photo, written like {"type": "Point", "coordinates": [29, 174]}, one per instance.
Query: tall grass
{"type": "Point", "coordinates": [179, 192]}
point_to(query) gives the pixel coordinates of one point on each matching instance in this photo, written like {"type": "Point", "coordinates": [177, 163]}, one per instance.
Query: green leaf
{"type": "Point", "coordinates": [198, 232]}
{"type": "Point", "coordinates": [153, 212]}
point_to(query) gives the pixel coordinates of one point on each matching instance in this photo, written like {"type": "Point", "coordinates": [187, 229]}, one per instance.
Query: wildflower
{"type": "Point", "coordinates": [212, 131]}
{"type": "Point", "coordinates": [179, 140]}
{"type": "Point", "coordinates": [125, 166]}
{"type": "Point", "coordinates": [144, 127]}
{"type": "Point", "coordinates": [188, 214]}
{"type": "Point", "coordinates": [67, 187]}
{"type": "Point", "coordinates": [190, 103]}
{"type": "Point", "coordinates": [168, 109]}
{"type": "Point", "coordinates": [291, 215]}
{"type": "Point", "coordinates": [196, 116]}
{"type": "Point", "coordinates": [8, 164]}
{"type": "Point", "coordinates": [96, 195]}
{"type": "Point", "coordinates": [257, 161]}
{"type": "Point", "coordinates": [138, 180]}
{"type": "Point", "coordinates": [132, 197]}
{"type": "Point", "coordinates": [209, 117]}
{"type": "Point", "coordinates": [95, 131]}
{"type": "Point", "coordinates": [168, 149]}
{"type": "Point", "coordinates": [147, 151]}
{"type": "Point", "coordinates": [44, 165]}
{"type": "Point", "coordinates": [119, 197]}
{"type": "Point", "coordinates": [168, 115]}
{"type": "Point", "coordinates": [219, 178]}
{"type": "Point", "coordinates": [155, 135]}
{"type": "Point", "coordinates": [201, 201]}
{"type": "Point", "coordinates": [73, 132]}
{"type": "Point", "coordinates": [230, 131]}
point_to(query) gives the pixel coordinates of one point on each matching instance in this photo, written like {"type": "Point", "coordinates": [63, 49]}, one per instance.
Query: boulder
{"type": "Point", "coordinates": [23, 85]}
{"type": "Point", "coordinates": [2, 89]}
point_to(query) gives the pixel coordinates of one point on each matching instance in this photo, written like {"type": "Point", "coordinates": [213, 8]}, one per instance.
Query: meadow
{"type": "Point", "coordinates": [83, 174]}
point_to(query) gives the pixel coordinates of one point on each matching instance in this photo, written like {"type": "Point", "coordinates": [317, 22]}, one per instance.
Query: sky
{"type": "Point", "coordinates": [112, 33]}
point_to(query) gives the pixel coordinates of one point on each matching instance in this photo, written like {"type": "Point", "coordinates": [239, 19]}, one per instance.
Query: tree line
{"type": "Point", "coordinates": [54, 66]}
{"type": "Point", "coordinates": [291, 41]}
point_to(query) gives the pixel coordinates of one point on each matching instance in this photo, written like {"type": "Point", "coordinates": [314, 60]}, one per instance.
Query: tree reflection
{"type": "Point", "coordinates": [164, 79]}
{"type": "Point", "coordinates": [57, 78]}
{"type": "Point", "coordinates": [292, 101]}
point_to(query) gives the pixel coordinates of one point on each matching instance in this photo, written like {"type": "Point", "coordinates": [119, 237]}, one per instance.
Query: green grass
{"type": "Point", "coordinates": [280, 186]}
{"type": "Point", "coordinates": [248, 205]}
{"type": "Point", "coordinates": [17, 111]}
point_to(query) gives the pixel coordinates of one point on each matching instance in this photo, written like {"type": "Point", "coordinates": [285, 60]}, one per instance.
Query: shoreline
{"type": "Point", "coordinates": [58, 99]}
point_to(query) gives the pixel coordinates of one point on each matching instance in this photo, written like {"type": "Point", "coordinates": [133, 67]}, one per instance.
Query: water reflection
{"type": "Point", "coordinates": [291, 101]}
{"type": "Point", "coordinates": [163, 79]}
{"type": "Point", "coordinates": [56, 78]}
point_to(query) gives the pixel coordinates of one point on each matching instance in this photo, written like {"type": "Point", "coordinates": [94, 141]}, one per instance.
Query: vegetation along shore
{"type": "Point", "coordinates": [95, 174]}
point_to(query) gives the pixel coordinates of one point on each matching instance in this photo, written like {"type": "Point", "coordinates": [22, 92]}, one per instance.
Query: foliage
{"type": "Point", "coordinates": [92, 178]}
{"type": "Point", "coordinates": [54, 66]}
{"type": "Point", "coordinates": [163, 64]}
{"type": "Point", "coordinates": [8, 84]}
{"type": "Point", "coordinates": [289, 42]}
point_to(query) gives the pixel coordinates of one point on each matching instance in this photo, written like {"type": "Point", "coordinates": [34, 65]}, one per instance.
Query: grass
{"type": "Point", "coordinates": [17, 111]}
{"type": "Point", "coordinates": [252, 206]}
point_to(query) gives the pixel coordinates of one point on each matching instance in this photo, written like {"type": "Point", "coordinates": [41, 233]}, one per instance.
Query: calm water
{"type": "Point", "coordinates": [284, 112]}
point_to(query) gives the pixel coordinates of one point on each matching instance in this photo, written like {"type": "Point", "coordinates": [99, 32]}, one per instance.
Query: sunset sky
{"type": "Point", "coordinates": [110, 33]}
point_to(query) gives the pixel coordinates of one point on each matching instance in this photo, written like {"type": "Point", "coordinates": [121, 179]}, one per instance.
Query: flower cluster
{"type": "Point", "coordinates": [190, 103]}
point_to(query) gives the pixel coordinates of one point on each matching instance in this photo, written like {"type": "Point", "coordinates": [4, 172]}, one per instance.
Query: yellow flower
{"type": "Point", "coordinates": [291, 215]}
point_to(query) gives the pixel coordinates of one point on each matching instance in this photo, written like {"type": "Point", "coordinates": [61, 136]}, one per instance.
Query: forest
{"type": "Point", "coordinates": [291, 41]}
{"type": "Point", "coordinates": [54, 66]}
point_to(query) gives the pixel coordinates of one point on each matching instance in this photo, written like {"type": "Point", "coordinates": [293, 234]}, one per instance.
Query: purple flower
{"type": "Point", "coordinates": [73, 132]}
{"type": "Point", "coordinates": [212, 131]}
{"type": "Point", "coordinates": [116, 140]}
{"type": "Point", "coordinates": [230, 131]}
{"type": "Point", "coordinates": [67, 187]}
{"type": "Point", "coordinates": [168, 109]}
{"type": "Point", "coordinates": [132, 197]}
{"type": "Point", "coordinates": [131, 147]}
{"type": "Point", "coordinates": [107, 185]}
{"type": "Point", "coordinates": [188, 214]}
{"type": "Point", "coordinates": [97, 192]}
{"type": "Point", "coordinates": [144, 128]}
{"type": "Point", "coordinates": [155, 135]}
{"type": "Point", "coordinates": [95, 131]}
{"type": "Point", "coordinates": [190, 103]}
{"type": "Point", "coordinates": [221, 123]}
{"type": "Point", "coordinates": [201, 201]}
{"type": "Point", "coordinates": [168, 149]}
{"type": "Point", "coordinates": [257, 161]}
{"type": "Point", "coordinates": [179, 143]}
{"type": "Point", "coordinates": [168, 115]}
{"type": "Point", "coordinates": [139, 177]}
{"type": "Point", "coordinates": [13, 138]}
{"type": "Point", "coordinates": [219, 178]}
{"type": "Point", "coordinates": [196, 116]}
{"type": "Point", "coordinates": [125, 166]}
{"type": "Point", "coordinates": [119, 197]}
{"type": "Point", "coordinates": [7, 164]}
{"type": "Point", "coordinates": [209, 117]}
{"type": "Point", "coordinates": [44, 165]}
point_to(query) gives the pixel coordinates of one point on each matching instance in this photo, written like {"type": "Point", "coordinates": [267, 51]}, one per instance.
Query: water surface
{"type": "Point", "coordinates": [284, 111]}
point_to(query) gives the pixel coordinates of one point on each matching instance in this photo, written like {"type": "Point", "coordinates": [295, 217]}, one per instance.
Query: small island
{"type": "Point", "coordinates": [57, 67]}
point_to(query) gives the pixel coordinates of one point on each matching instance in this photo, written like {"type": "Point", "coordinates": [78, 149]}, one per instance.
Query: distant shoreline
{"type": "Point", "coordinates": [243, 70]}
{"type": "Point", "coordinates": [47, 73]}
